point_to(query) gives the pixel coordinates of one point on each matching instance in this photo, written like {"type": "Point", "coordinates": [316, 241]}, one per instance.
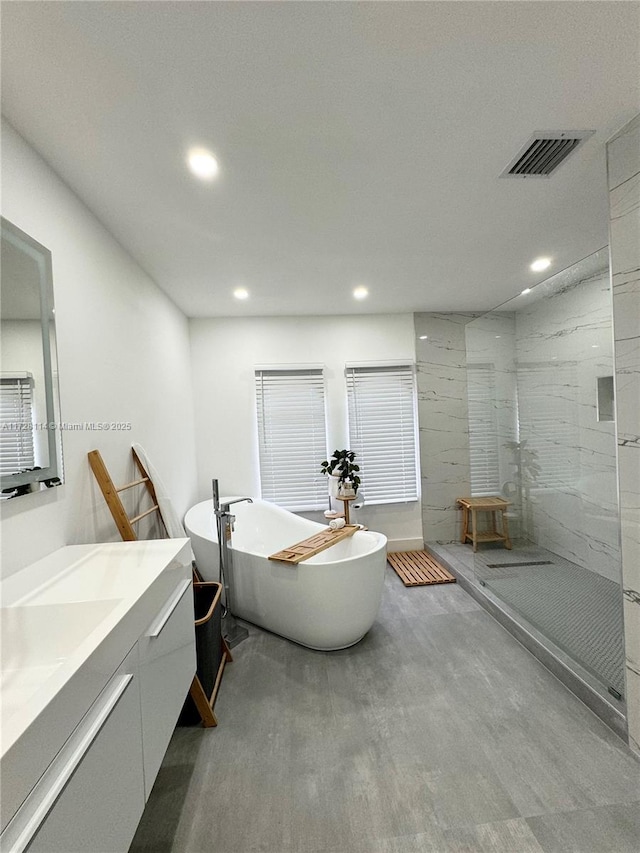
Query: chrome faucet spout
{"type": "Point", "coordinates": [224, 507]}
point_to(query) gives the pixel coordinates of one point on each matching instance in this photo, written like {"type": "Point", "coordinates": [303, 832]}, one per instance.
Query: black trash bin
{"type": "Point", "coordinates": [211, 650]}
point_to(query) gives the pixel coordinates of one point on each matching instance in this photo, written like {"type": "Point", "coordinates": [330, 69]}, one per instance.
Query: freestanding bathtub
{"type": "Point", "coordinates": [327, 602]}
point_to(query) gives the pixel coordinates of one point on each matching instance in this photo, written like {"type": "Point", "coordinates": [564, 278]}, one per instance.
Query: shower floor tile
{"type": "Point", "coordinates": [577, 609]}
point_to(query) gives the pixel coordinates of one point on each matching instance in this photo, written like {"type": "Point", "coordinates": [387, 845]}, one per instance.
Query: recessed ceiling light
{"type": "Point", "coordinates": [423, 337]}
{"type": "Point", "coordinates": [203, 164]}
{"type": "Point", "coordinates": [498, 336]}
{"type": "Point", "coordinates": [595, 346]}
{"type": "Point", "coordinates": [541, 264]}
{"type": "Point", "coordinates": [360, 293]}
{"type": "Point", "coordinates": [525, 291]}
{"type": "Point", "coordinates": [241, 293]}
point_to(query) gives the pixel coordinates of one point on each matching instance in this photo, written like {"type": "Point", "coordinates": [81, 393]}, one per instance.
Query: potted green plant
{"type": "Point", "coordinates": [341, 467]}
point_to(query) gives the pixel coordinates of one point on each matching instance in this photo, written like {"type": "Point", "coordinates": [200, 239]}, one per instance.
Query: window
{"type": "Point", "coordinates": [382, 431]}
{"type": "Point", "coordinates": [292, 437]}
{"type": "Point", "coordinates": [16, 423]}
{"type": "Point", "coordinates": [483, 430]}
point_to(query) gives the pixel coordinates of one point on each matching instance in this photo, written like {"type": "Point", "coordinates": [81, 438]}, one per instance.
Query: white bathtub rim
{"type": "Point", "coordinates": [380, 540]}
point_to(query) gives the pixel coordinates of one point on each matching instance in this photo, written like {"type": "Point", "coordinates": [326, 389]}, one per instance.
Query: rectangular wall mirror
{"type": "Point", "coordinates": [30, 439]}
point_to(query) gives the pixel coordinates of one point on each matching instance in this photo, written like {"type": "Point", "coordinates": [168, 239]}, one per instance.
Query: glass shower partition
{"type": "Point", "coordinates": [542, 435]}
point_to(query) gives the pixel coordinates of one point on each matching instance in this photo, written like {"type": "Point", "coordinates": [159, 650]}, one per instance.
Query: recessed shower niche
{"type": "Point", "coordinates": [606, 398]}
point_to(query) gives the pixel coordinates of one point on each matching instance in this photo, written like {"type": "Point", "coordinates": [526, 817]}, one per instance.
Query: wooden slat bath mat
{"type": "Point", "coordinates": [418, 568]}
{"type": "Point", "coordinates": [314, 544]}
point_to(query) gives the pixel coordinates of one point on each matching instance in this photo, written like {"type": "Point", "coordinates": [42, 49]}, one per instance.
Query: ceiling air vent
{"type": "Point", "coordinates": [543, 152]}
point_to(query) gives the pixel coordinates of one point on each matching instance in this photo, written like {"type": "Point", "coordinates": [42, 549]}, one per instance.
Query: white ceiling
{"type": "Point", "coordinates": [359, 143]}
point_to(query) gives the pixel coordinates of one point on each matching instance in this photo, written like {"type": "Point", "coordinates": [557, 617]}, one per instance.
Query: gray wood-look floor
{"type": "Point", "coordinates": [437, 733]}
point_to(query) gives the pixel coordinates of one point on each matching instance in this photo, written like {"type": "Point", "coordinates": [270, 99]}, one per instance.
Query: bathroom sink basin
{"type": "Point", "coordinates": [103, 574]}
{"type": "Point", "coordinates": [37, 639]}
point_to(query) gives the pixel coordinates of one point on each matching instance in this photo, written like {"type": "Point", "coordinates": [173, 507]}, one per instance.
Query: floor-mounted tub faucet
{"type": "Point", "coordinates": [233, 633]}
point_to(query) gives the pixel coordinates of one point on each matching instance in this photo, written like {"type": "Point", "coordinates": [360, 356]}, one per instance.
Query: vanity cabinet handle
{"type": "Point", "coordinates": [165, 615]}
{"type": "Point", "coordinates": [21, 831]}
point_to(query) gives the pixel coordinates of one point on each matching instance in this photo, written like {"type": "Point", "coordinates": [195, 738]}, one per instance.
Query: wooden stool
{"type": "Point", "coordinates": [492, 505]}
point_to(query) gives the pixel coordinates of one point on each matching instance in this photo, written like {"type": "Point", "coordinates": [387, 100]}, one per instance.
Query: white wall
{"type": "Point", "coordinates": [224, 354]}
{"type": "Point", "coordinates": [123, 355]}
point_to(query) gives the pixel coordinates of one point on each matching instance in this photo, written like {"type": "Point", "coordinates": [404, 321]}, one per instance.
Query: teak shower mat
{"type": "Point", "coordinates": [418, 568]}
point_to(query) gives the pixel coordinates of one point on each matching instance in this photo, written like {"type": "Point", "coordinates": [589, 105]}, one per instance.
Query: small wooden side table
{"type": "Point", "coordinates": [492, 505]}
{"type": "Point", "coordinates": [346, 506]}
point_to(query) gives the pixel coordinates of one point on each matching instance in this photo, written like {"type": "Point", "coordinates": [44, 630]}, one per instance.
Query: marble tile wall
{"type": "Point", "coordinates": [443, 421]}
{"type": "Point", "coordinates": [623, 166]}
{"type": "Point", "coordinates": [546, 356]}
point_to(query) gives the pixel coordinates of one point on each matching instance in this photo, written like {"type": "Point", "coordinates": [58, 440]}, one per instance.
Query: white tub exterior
{"type": "Point", "coordinates": [327, 602]}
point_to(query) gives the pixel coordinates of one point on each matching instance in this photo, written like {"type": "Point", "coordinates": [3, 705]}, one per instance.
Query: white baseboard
{"type": "Point", "coordinates": [405, 545]}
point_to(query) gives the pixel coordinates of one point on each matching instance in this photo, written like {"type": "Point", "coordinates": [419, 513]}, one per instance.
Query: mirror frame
{"type": "Point", "coordinates": [42, 257]}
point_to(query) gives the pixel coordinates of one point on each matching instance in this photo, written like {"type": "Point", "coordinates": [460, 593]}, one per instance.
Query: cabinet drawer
{"type": "Point", "coordinates": [167, 667]}
{"type": "Point", "coordinates": [91, 798]}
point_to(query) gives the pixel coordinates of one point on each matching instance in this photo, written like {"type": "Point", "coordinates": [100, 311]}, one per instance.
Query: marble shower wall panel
{"type": "Point", "coordinates": [563, 345]}
{"type": "Point", "coordinates": [443, 421]}
{"type": "Point", "coordinates": [623, 164]}
{"type": "Point", "coordinates": [491, 342]}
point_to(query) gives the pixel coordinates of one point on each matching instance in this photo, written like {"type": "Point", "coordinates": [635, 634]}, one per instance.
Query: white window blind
{"type": "Point", "coordinates": [548, 422]}
{"type": "Point", "coordinates": [382, 431]}
{"type": "Point", "coordinates": [16, 424]}
{"type": "Point", "coordinates": [292, 437]}
{"type": "Point", "coordinates": [483, 430]}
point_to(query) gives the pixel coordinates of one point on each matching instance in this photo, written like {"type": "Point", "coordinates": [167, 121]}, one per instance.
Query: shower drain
{"type": "Point", "coordinates": [517, 565]}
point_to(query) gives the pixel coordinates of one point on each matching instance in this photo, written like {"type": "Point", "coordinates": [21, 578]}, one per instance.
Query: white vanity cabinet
{"type": "Point", "coordinates": [82, 748]}
{"type": "Point", "coordinates": [167, 666]}
{"type": "Point", "coordinates": [91, 798]}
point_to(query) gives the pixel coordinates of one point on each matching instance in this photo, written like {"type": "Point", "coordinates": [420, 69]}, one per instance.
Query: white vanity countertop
{"type": "Point", "coordinates": [59, 616]}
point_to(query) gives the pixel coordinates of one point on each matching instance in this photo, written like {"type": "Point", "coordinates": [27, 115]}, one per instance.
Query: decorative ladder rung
{"type": "Point", "coordinates": [143, 514]}
{"type": "Point", "coordinates": [134, 483]}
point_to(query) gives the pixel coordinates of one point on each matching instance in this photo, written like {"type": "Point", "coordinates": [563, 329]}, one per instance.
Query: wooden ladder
{"type": "Point", "coordinates": [111, 493]}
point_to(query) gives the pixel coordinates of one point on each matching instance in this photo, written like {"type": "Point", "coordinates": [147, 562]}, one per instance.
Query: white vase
{"type": "Point", "coordinates": [334, 485]}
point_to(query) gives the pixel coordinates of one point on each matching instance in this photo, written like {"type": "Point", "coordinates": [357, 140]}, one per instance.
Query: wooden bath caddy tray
{"type": "Point", "coordinates": [314, 544]}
